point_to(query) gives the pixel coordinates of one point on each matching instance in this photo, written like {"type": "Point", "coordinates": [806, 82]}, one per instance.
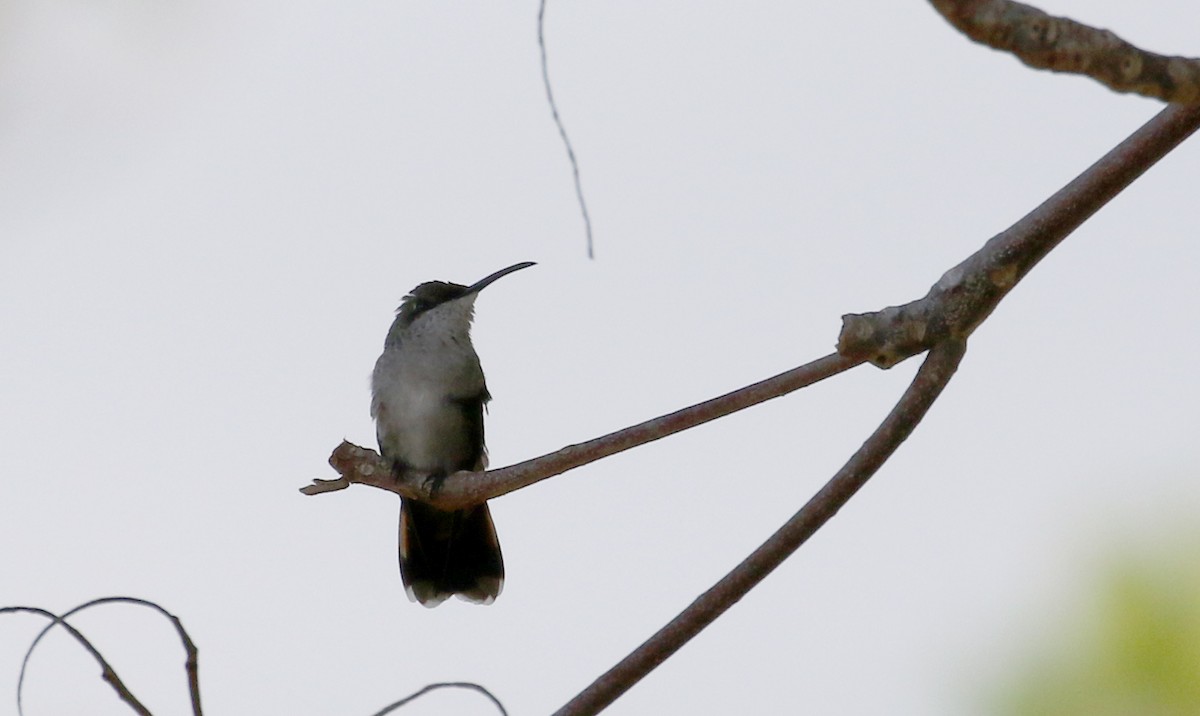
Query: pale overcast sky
{"type": "Point", "coordinates": [209, 211]}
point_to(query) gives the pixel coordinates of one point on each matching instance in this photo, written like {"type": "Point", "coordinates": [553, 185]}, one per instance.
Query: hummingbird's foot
{"type": "Point", "coordinates": [434, 482]}
{"type": "Point", "coordinates": [400, 471]}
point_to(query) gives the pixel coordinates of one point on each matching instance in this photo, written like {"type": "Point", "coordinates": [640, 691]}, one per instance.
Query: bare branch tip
{"type": "Point", "coordinates": [320, 486]}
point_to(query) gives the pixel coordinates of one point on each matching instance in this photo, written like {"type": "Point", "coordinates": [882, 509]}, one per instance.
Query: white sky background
{"type": "Point", "coordinates": [209, 211]}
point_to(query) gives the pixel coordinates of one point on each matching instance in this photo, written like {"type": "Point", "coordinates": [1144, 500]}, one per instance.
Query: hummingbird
{"type": "Point", "coordinates": [427, 398]}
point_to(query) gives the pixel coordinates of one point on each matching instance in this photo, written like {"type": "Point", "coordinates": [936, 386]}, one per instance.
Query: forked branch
{"type": "Point", "coordinates": [933, 376]}
{"type": "Point", "coordinates": [941, 323]}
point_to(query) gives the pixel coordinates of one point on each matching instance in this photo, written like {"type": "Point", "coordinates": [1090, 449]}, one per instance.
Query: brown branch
{"type": "Point", "coordinates": [106, 671]}
{"type": "Point", "coordinates": [966, 294]}
{"type": "Point", "coordinates": [957, 304]}
{"type": "Point", "coordinates": [363, 466]}
{"type": "Point", "coordinates": [933, 376]}
{"type": "Point", "coordinates": [1060, 44]}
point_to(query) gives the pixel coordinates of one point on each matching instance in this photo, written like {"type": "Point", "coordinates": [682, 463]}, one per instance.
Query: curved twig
{"type": "Point", "coordinates": [363, 466]}
{"type": "Point", "coordinates": [191, 664]}
{"type": "Point", "coordinates": [107, 672]}
{"type": "Point", "coordinates": [562, 130]}
{"type": "Point", "coordinates": [443, 685]}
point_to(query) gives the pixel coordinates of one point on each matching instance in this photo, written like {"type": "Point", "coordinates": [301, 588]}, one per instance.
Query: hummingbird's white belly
{"type": "Point", "coordinates": [428, 429]}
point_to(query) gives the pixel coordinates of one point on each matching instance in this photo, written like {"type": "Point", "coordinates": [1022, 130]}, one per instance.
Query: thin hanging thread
{"type": "Point", "coordinates": [562, 131]}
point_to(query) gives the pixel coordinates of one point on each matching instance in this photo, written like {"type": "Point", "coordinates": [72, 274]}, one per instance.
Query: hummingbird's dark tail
{"type": "Point", "coordinates": [444, 553]}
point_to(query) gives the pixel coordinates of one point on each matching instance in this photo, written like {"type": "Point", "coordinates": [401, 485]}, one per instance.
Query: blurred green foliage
{"type": "Point", "coordinates": [1133, 649]}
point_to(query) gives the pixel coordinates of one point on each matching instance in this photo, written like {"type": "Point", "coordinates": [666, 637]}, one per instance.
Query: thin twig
{"type": "Point", "coordinates": [444, 685]}
{"type": "Point", "coordinates": [1060, 44]}
{"type": "Point", "coordinates": [191, 663]}
{"type": "Point", "coordinates": [106, 671]}
{"type": "Point", "coordinates": [935, 373]}
{"type": "Point", "coordinates": [363, 466]}
{"type": "Point", "coordinates": [562, 131]}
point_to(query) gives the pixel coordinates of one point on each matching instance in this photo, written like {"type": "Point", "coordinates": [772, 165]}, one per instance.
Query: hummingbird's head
{"type": "Point", "coordinates": [431, 295]}
{"type": "Point", "coordinates": [441, 306]}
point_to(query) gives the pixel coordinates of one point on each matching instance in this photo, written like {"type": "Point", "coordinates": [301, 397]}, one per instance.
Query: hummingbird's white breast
{"type": "Point", "coordinates": [425, 383]}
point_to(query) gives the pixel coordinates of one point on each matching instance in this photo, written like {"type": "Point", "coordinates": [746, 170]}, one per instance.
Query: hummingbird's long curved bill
{"type": "Point", "coordinates": [484, 282]}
